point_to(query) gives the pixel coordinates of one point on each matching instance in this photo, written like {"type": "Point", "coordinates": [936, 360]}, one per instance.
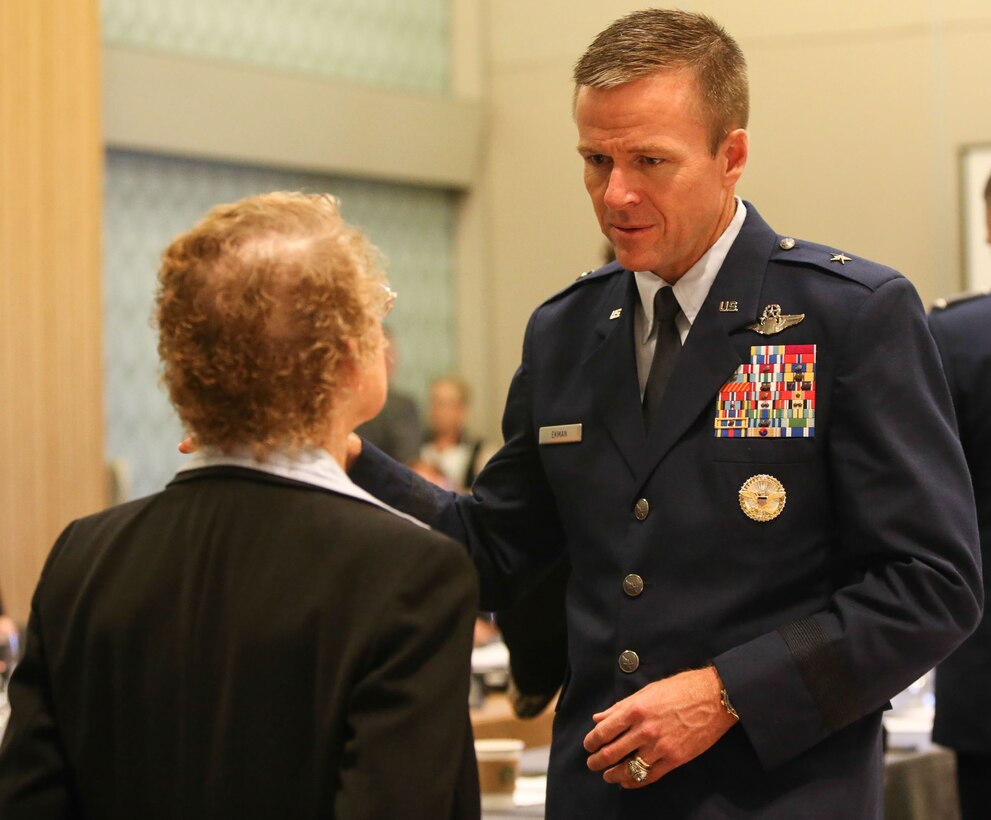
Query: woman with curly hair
{"type": "Point", "coordinates": [261, 638]}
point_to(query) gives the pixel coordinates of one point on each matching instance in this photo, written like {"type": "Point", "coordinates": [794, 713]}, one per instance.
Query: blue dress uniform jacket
{"type": "Point", "coordinates": [867, 577]}
{"type": "Point", "coordinates": [963, 681]}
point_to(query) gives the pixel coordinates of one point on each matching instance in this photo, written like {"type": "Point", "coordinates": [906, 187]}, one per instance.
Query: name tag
{"type": "Point", "coordinates": [560, 434]}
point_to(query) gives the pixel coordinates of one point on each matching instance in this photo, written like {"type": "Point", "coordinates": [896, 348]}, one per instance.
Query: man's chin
{"type": "Point", "coordinates": [632, 260]}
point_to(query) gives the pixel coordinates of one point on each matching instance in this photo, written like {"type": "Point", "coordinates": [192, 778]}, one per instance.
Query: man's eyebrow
{"type": "Point", "coordinates": [649, 150]}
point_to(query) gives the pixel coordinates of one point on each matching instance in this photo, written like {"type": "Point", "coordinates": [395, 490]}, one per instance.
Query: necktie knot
{"type": "Point", "coordinates": [666, 307]}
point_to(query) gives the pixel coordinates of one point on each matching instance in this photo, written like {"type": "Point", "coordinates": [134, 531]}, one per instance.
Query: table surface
{"type": "Point", "coordinates": [918, 785]}
{"type": "Point", "coordinates": [496, 718]}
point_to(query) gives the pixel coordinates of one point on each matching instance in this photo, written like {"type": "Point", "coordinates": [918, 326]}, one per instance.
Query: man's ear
{"type": "Point", "coordinates": [735, 149]}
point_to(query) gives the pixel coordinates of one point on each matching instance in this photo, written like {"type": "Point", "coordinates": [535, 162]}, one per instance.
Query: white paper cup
{"type": "Point", "coordinates": [498, 767]}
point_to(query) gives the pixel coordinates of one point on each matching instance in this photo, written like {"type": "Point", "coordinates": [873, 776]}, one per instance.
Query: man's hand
{"type": "Point", "coordinates": [353, 451]}
{"type": "Point", "coordinates": [666, 724]}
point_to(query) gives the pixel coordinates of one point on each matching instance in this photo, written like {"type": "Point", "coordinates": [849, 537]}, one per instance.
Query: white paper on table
{"type": "Point", "coordinates": [530, 790]}
{"type": "Point", "coordinates": [490, 657]}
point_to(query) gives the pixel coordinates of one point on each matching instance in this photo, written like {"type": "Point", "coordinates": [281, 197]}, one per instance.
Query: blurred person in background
{"type": "Point", "coordinates": [961, 326]}
{"type": "Point", "coordinates": [9, 642]}
{"type": "Point", "coordinates": [261, 638]}
{"type": "Point", "coordinates": [451, 458]}
{"type": "Point", "coordinates": [449, 447]}
{"type": "Point", "coordinates": [397, 430]}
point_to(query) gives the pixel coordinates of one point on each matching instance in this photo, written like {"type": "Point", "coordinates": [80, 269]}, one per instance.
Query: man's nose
{"type": "Point", "coordinates": [620, 192]}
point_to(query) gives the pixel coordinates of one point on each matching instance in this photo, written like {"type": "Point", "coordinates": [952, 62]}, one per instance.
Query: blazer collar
{"type": "Point", "coordinates": [611, 370]}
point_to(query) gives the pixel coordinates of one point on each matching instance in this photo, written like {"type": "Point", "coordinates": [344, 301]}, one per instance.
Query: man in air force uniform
{"type": "Point", "coordinates": [770, 539]}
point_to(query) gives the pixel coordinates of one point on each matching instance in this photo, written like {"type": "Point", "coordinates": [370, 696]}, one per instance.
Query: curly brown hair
{"type": "Point", "coordinates": [263, 309]}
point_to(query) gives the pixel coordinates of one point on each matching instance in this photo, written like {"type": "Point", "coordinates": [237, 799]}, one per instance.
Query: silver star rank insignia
{"type": "Point", "coordinates": [842, 258]}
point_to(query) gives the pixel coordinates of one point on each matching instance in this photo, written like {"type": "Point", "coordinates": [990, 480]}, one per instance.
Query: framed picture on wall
{"type": "Point", "coordinates": [975, 170]}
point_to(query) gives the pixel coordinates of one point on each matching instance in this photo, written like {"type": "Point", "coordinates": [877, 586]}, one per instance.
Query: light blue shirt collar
{"type": "Point", "coordinates": [311, 465]}
{"type": "Point", "coordinates": [692, 288]}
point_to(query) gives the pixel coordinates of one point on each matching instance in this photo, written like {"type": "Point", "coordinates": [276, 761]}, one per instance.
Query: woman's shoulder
{"type": "Point", "coordinates": [378, 528]}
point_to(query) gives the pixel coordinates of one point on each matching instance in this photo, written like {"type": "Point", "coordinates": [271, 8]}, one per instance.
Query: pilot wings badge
{"type": "Point", "coordinates": [772, 321]}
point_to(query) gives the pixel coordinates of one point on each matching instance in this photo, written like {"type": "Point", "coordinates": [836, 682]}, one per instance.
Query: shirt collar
{"type": "Point", "coordinates": [693, 286]}
{"type": "Point", "coordinates": [311, 465]}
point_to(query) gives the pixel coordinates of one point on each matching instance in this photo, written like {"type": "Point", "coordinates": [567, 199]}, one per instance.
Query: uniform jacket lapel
{"type": "Point", "coordinates": [709, 357]}
{"type": "Point", "coordinates": [611, 371]}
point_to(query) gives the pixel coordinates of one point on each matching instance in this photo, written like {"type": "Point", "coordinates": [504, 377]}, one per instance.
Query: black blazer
{"type": "Point", "coordinates": [865, 580]}
{"type": "Point", "coordinates": [963, 681]}
{"type": "Point", "coordinates": [243, 646]}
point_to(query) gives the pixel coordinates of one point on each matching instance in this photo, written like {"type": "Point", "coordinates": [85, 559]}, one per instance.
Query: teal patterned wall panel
{"type": "Point", "coordinates": [150, 199]}
{"type": "Point", "coordinates": [395, 43]}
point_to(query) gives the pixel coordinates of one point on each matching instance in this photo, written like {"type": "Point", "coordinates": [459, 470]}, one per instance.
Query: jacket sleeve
{"type": "Point", "coordinates": [408, 728]}
{"type": "Point", "coordinates": [509, 523]}
{"type": "Point", "coordinates": [907, 586]}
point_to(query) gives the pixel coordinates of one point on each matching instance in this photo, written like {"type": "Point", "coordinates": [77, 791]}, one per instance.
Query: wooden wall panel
{"type": "Point", "coordinates": [51, 419]}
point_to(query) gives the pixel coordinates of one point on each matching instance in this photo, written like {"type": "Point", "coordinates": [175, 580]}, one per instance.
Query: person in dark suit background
{"type": "Point", "coordinates": [397, 429]}
{"type": "Point", "coordinates": [962, 329]}
{"type": "Point", "coordinates": [9, 642]}
{"type": "Point", "coordinates": [761, 496]}
{"type": "Point", "coordinates": [261, 638]}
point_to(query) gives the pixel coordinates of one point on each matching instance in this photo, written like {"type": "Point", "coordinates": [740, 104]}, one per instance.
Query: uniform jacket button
{"type": "Point", "coordinates": [641, 509]}
{"type": "Point", "coordinates": [633, 585]}
{"type": "Point", "coordinates": [629, 661]}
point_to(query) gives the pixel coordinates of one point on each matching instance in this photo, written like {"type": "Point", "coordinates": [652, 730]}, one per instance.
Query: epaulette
{"type": "Point", "coordinates": [832, 260]}
{"type": "Point", "coordinates": [958, 299]}
{"type": "Point", "coordinates": [588, 276]}
{"type": "Point", "coordinates": [610, 267]}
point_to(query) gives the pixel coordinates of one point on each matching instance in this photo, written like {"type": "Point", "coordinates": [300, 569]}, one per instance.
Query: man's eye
{"type": "Point", "coordinates": [651, 160]}
{"type": "Point", "coordinates": [596, 159]}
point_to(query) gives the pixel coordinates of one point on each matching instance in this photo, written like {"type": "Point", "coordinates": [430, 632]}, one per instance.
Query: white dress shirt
{"type": "Point", "coordinates": [690, 291]}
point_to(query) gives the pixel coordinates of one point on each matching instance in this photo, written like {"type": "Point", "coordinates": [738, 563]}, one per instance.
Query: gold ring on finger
{"type": "Point", "coordinates": [638, 768]}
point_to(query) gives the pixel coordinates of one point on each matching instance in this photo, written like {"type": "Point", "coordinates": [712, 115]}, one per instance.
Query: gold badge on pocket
{"type": "Point", "coordinates": [762, 497]}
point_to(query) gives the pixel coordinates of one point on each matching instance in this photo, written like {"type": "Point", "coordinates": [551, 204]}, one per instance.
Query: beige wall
{"type": "Point", "coordinates": [858, 113]}
{"type": "Point", "coordinates": [50, 356]}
